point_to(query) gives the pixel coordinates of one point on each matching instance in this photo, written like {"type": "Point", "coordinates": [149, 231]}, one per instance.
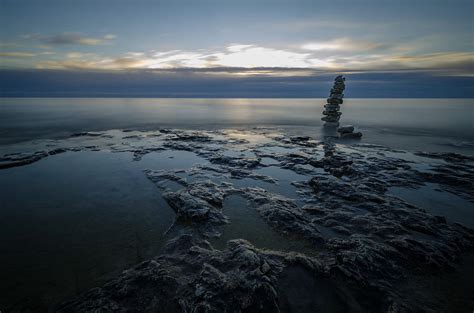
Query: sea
{"type": "Point", "coordinates": [72, 221]}
{"type": "Point", "coordinates": [412, 124]}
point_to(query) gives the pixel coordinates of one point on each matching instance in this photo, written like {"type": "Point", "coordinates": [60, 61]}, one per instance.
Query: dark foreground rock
{"type": "Point", "coordinates": [193, 277]}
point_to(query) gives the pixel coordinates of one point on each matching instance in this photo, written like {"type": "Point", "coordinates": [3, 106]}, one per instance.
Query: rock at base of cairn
{"type": "Point", "coordinates": [345, 129]}
{"type": "Point", "coordinates": [331, 109]}
{"type": "Point", "coordinates": [356, 135]}
{"type": "Point", "coordinates": [348, 132]}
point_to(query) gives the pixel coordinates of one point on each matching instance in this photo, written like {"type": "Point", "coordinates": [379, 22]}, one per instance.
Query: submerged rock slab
{"type": "Point", "coordinates": [364, 241]}
{"type": "Point", "coordinates": [20, 159]}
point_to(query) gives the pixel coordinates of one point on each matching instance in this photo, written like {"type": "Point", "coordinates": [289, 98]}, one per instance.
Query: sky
{"type": "Point", "coordinates": [259, 48]}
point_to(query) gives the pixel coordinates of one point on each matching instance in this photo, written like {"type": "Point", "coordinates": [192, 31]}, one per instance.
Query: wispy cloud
{"type": "Point", "coordinates": [8, 45]}
{"type": "Point", "coordinates": [343, 44]}
{"type": "Point", "coordinates": [20, 54]}
{"type": "Point", "coordinates": [71, 39]}
{"type": "Point", "coordinates": [16, 54]}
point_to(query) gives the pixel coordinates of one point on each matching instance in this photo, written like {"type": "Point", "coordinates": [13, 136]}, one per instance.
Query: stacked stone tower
{"type": "Point", "coordinates": [331, 109]}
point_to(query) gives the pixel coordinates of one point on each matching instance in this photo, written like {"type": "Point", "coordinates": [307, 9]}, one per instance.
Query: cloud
{"type": "Point", "coordinates": [71, 39]}
{"type": "Point", "coordinates": [213, 82]}
{"type": "Point", "coordinates": [445, 63]}
{"type": "Point", "coordinates": [8, 44]}
{"type": "Point", "coordinates": [343, 44]}
{"type": "Point", "coordinates": [18, 54]}
{"type": "Point", "coordinates": [262, 60]}
{"type": "Point", "coordinates": [243, 56]}
{"type": "Point", "coordinates": [436, 60]}
{"type": "Point", "coordinates": [238, 48]}
{"type": "Point", "coordinates": [255, 56]}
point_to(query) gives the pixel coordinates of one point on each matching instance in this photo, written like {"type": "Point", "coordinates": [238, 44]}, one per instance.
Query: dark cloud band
{"type": "Point", "coordinates": [195, 83]}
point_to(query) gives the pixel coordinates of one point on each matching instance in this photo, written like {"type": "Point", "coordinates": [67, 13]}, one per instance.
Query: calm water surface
{"type": "Point", "coordinates": [72, 221]}
{"type": "Point", "coordinates": [427, 124]}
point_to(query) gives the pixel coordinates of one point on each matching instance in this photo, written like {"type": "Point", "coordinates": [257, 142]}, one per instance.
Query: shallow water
{"type": "Point", "coordinates": [247, 223]}
{"type": "Point", "coordinates": [438, 202]}
{"type": "Point", "coordinates": [74, 220]}
{"type": "Point", "coordinates": [170, 160]}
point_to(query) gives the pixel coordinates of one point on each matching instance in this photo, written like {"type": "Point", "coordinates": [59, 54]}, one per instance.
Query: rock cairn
{"type": "Point", "coordinates": [331, 108]}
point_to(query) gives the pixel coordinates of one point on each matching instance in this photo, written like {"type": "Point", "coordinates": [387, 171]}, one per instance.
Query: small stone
{"type": "Point", "coordinates": [265, 267]}
{"type": "Point", "coordinates": [355, 135]}
{"type": "Point", "coordinates": [345, 129]}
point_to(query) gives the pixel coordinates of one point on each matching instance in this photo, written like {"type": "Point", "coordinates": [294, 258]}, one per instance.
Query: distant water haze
{"type": "Point", "coordinates": [417, 124]}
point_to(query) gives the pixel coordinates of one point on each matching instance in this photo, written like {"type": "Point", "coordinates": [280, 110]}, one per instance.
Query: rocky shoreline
{"type": "Point", "coordinates": [363, 242]}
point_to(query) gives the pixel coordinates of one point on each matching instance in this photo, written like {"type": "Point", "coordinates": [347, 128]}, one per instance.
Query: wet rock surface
{"type": "Point", "coordinates": [347, 132]}
{"type": "Point", "coordinates": [364, 241]}
{"type": "Point", "coordinates": [351, 135]}
{"type": "Point", "coordinates": [345, 129]}
{"type": "Point", "coordinates": [191, 276]}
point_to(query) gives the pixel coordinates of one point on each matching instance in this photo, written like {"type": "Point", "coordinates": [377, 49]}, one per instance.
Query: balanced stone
{"type": "Point", "coordinates": [332, 106]}
{"type": "Point", "coordinates": [329, 112]}
{"type": "Point", "coordinates": [331, 109]}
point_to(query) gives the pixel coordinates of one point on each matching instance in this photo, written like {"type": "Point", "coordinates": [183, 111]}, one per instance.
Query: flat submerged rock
{"type": "Point", "coordinates": [356, 243]}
